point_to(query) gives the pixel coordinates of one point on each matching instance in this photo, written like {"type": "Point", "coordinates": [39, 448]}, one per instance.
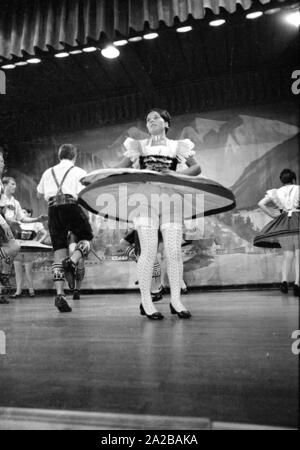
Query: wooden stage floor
{"type": "Point", "coordinates": [232, 362]}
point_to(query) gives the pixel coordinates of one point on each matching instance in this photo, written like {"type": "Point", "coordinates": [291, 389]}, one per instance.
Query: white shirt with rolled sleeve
{"type": "Point", "coordinates": [13, 210]}
{"type": "Point", "coordinates": [2, 220]}
{"type": "Point", "coordinates": [72, 186]}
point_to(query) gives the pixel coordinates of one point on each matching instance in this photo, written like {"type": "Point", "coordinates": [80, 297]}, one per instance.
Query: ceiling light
{"type": "Point", "coordinates": [8, 66]}
{"type": "Point", "coordinates": [135, 39]}
{"type": "Point", "coordinates": [61, 55]}
{"type": "Point", "coordinates": [216, 23]}
{"type": "Point", "coordinates": [149, 36]}
{"type": "Point", "coordinates": [89, 49]}
{"type": "Point", "coordinates": [110, 52]}
{"type": "Point", "coordinates": [293, 18]}
{"type": "Point", "coordinates": [184, 29]}
{"type": "Point", "coordinates": [75, 52]}
{"type": "Point", "coordinates": [254, 15]}
{"type": "Point", "coordinates": [120, 43]}
{"type": "Point", "coordinates": [34, 60]}
{"type": "Point", "coordinates": [272, 11]}
{"type": "Point", "coordinates": [21, 63]}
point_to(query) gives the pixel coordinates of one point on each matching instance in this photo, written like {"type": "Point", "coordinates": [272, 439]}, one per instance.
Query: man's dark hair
{"type": "Point", "coordinates": [287, 176]}
{"type": "Point", "coordinates": [6, 180]}
{"type": "Point", "coordinates": [67, 151]}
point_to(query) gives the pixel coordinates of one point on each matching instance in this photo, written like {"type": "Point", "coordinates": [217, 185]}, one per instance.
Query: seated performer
{"type": "Point", "coordinates": [9, 247]}
{"type": "Point", "coordinates": [34, 231]}
{"type": "Point", "coordinates": [284, 230]}
{"type": "Point", "coordinates": [60, 186]}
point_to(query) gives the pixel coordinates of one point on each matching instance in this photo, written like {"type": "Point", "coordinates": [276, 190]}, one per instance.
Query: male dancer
{"type": "Point", "coordinates": [60, 186]}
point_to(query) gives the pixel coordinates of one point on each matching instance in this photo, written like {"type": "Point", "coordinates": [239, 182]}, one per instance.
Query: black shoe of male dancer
{"type": "Point", "coordinates": [296, 290]}
{"type": "Point", "coordinates": [284, 287]}
{"type": "Point", "coordinates": [70, 272]}
{"type": "Point", "coordinates": [62, 304]}
{"type": "Point", "coordinates": [157, 296]}
{"type": "Point", "coordinates": [3, 300]}
{"type": "Point", "coordinates": [4, 280]}
{"type": "Point", "coordinates": [76, 294]}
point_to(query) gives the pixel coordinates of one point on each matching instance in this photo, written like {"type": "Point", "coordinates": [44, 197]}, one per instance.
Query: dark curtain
{"type": "Point", "coordinates": [38, 23]}
{"type": "Point", "coordinates": [210, 94]}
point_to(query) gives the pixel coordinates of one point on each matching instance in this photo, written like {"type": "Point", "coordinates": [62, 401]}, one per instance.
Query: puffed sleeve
{"type": "Point", "coordinates": [185, 150]}
{"type": "Point", "coordinates": [133, 149]}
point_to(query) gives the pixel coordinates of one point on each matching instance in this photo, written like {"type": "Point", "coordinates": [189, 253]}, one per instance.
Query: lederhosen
{"type": "Point", "coordinates": [66, 215]}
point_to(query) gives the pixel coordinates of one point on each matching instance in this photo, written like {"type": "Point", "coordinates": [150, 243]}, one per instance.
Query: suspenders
{"type": "Point", "coordinates": [60, 198]}
{"type": "Point", "coordinates": [59, 185]}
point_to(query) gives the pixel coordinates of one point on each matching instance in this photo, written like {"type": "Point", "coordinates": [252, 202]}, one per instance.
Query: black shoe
{"type": "Point", "coordinates": [156, 296]}
{"type": "Point", "coordinates": [76, 294]}
{"type": "Point", "coordinates": [15, 295]}
{"type": "Point", "coordinates": [62, 304]}
{"type": "Point", "coordinates": [155, 316]}
{"type": "Point", "coordinates": [284, 287]}
{"type": "Point", "coordinates": [4, 279]}
{"type": "Point", "coordinates": [3, 300]}
{"type": "Point", "coordinates": [184, 314]}
{"type": "Point", "coordinates": [70, 272]}
{"type": "Point", "coordinates": [296, 290]}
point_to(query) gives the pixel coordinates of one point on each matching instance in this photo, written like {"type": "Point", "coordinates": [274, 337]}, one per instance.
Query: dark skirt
{"type": "Point", "coordinates": [280, 227]}
{"type": "Point", "coordinates": [121, 184]}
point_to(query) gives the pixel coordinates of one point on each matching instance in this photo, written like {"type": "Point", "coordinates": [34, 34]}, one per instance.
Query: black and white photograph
{"type": "Point", "coordinates": [149, 217]}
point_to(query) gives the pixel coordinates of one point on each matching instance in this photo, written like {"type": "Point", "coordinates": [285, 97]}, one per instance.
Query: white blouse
{"type": "Point", "coordinates": [181, 149]}
{"type": "Point", "coordinates": [286, 198]}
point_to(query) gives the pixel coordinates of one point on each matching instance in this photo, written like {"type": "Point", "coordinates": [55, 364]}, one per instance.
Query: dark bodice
{"type": "Point", "coordinates": [158, 163]}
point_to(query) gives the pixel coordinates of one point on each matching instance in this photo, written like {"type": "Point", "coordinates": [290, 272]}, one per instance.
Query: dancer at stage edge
{"type": "Point", "coordinates": [60, 186]}
{"type": "Point", "coordinates": [284, 230]}
{"type": "Point", "coordinates": [154, 163]}
{"type": "Point", "coordinates": [9, 247]}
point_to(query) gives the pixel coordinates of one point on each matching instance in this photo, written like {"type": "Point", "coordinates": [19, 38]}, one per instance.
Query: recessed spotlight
{"type": "Point", "coordinates": [135, 39]}
{"type": "Point", "coordinates": [61, 55]}
{"type": "Point", "coordinates": [254, 15]}
{"type": "Point", "coordinates": [8, 66]}
{"type": "Point", "coordinates": [21, 63]}
{"type": "Point", "coordinates": [184, 29]}
{"type": "Point", "coordinates": [272, 11]}
{"type": "Point", "coordinates": [89, 49]}
{"type": "Point", "coordinates": [293, 18]}
{"type": "Point", "coordinates": [110, 52]}
{"type": "Point", "coordinates": [75, 52]}
{"type": "Point", "coordinates": [34, 60]}
{"type": "Point", "coordinates": [216, 23]}
{"type": "Point", "coordinates": [150, 36]}
{"type": "Point", "coordinates": [120, 43]}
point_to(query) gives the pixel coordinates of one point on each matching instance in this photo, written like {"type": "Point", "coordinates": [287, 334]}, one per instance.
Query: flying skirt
{"type": "Point", "coordinates": [277, 232]}
{"type": "Point", "coordinates": [117, 193]}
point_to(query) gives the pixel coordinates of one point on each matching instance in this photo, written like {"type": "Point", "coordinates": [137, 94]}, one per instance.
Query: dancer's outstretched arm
{"type": "Point", "coordinates": [263, 205]}
{"type": "Point", "coordinates": [193, 167]}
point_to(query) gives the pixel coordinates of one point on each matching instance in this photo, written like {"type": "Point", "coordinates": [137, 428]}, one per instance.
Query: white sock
{"type": "Point", "coordinates": [148, 240]}
{"type": "Point", "coordinates": [172, 235]}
